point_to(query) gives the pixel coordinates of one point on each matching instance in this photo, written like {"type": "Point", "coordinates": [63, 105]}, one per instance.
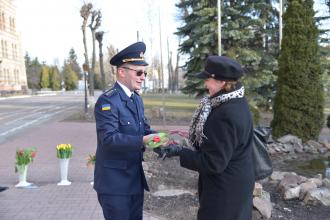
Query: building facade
{"type": "Point", "coordinates": [12, 65]}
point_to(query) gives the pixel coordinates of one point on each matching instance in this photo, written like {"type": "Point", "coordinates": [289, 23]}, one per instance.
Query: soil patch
{"type": "Point", "coordinates": [167, 174]}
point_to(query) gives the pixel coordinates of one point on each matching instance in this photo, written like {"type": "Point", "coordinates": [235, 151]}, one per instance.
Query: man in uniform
{"type": "Point", "coordinates": [122, 131]}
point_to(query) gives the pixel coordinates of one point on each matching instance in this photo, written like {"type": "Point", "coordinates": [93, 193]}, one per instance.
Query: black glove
{"type": "Point", "coordinates": [160, 152]}
{"type": "Point", "coordinates": [168, 151]}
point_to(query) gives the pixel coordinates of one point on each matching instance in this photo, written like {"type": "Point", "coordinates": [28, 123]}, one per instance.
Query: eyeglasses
{"type": "Point", "coordinates": [138, 72]}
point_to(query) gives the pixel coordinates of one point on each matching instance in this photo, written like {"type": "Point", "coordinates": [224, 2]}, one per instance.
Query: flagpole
{"type": "Point", "coordinates": [280, 23]}
{"type": "Point", "coordinates": [219, 27]}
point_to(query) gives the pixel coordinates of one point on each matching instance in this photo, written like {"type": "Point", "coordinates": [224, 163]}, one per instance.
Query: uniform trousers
{"type": "Point", "coordinates": [121, 207]}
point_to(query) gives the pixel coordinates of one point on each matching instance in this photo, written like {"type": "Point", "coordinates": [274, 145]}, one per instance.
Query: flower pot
{"type": "Point", "coordinates": [22, 173]}
{"type": "Point", "coordinates": [64, 167]}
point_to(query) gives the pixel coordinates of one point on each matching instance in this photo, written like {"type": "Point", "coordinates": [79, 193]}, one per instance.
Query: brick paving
{"type": "Point", "coordinates": [49, 201]}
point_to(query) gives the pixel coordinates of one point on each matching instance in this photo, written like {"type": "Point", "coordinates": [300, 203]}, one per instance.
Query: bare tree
{"type": "Point", "coordinates": [170, 69]}
{"type": "Point", "coordinates": [94, 24]}
{"type": "Point", "coordinates": [99, 38]}
{"type": "Point", "coordinates": [85, 12]}
{"type": "Point", "coordinates": [109, 68]}
{"type": "Point", "coordinates": [156, 78]}
{"type": "Point", "coordinates": [176, 70]}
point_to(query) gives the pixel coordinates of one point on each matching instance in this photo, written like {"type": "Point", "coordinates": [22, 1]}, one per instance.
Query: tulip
{"type": "Point", "coordinates": [156, 139]}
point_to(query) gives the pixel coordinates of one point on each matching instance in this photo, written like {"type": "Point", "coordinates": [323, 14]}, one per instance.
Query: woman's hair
{"type": "Point", "coordinates": [229, 86]}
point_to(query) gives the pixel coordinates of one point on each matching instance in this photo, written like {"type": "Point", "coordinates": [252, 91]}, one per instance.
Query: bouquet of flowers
{"type": "Point", "coordinates": [90, 160]}
{"type": "Point", "coordinates": [64, 151]}
{"type": "Point", "coordinates": [157, 140]}
{"type": "Point", "coordinates": [24, 157]}
{"type": "Point", "coordinates": [178, 137]}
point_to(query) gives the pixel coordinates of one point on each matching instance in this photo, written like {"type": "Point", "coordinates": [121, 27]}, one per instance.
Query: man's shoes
{"type": "Point", "coordinates": [3, 188]}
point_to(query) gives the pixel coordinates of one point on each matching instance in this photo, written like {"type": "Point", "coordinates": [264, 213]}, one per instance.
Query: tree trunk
{"type": "Point", "coordinates": [92, 72]}
{"type": "Point", "coordinates": [85, 47]}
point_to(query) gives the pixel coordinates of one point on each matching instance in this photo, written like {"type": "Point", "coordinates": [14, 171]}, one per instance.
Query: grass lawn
{"type": "Point", "coordinates": [178, 108]}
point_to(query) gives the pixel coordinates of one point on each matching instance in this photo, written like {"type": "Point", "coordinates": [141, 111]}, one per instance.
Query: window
{"type": "Point", "coordinates": [1, 22]}
{"type": "Point", "coordinates": [9, 78]}
{"type": "Point", "coordinates": [3, 48]}
{"type": "Point", "coordinates": [1, 77]}
{"type": "Point", "coordinates": [17, 76]}
{"type": "Point", "coordinates": [6, 50]}
{"type": "Point", "coordinates": [12, 24]}
{"type": "Point", "coordinates": [6, 75]}
{"type": "Point", "coordinates": [3, 27]}
{"type": "Point", "coordinates": [14, 51]}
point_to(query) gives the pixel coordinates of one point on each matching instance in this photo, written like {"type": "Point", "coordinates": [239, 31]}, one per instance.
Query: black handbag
{"type": "Point", "coordinates": [262, 162]}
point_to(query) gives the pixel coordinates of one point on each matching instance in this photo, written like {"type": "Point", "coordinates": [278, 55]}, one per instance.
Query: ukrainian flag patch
{"type": "Point", "coordinates": [106, 107]}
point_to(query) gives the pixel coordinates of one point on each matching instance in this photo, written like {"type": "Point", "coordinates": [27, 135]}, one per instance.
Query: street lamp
{"type": "Point", "coordinates": [85, 69]}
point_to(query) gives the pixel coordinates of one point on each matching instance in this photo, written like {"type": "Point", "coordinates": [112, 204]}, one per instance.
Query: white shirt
{"type": "Point", "coordinates": [126, 90]}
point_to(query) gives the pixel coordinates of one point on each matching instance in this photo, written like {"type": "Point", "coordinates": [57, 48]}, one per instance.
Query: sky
{"type": "Point", "coordinates": [49, 29]}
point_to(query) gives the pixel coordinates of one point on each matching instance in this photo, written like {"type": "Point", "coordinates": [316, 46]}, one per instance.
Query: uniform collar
{"type": "Point", "coordinates": [126, 90]}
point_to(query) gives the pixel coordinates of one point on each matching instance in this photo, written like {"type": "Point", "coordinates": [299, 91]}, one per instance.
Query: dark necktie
{"type": "Point", "coordinates": [132, 98]}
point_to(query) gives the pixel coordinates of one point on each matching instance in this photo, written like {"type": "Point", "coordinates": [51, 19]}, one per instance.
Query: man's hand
{"type": "Point", "coordinates": [168, 151]}
{"type": "Point", "coordinates": [148, 137]}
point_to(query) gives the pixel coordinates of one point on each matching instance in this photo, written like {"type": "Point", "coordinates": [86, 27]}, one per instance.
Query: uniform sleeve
{"type": "Point", "coordinates": [107, 127]}
{"type": "Point", "coordinates": [216, 151]}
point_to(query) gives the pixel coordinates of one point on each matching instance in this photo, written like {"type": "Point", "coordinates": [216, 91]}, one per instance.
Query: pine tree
{"type": "Point", "coordinates": [44, 77]}
{"type": "Point", "coordinates": [55, 78]}
{"type": "Point", "coordinates": [72, 61]}
{"type": "Point", "coordinates": [33, 71]}
{"type": "Point", "coordinates": [200, 32]}
{"type": "Point", "coordinates": [70, 78]}
{"type": "Point", "coordinates": [298, 106]}
{"type": "Point", "coordinates": [248, 35]}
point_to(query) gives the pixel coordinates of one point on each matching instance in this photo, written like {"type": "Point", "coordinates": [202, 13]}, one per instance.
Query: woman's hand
{"type": "Point", "coordinates": [169, 151]}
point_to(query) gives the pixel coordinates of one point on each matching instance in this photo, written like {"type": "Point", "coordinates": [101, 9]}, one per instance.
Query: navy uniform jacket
{"type": "Point", "coordinates": [120, 127]}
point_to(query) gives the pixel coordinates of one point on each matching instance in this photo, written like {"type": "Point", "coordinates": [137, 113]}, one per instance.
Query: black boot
{"type": "Point", "coordinates": [3, 188]}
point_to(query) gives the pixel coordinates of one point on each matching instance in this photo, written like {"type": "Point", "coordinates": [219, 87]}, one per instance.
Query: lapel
{"type": "Point", "coordinates": [138, 104]}
{"type": "Point", "coordinates": [128, 102]}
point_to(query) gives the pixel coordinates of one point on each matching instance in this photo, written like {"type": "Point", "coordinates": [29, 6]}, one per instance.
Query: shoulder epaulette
{"type": "Point", "coordinates": [110, 92]}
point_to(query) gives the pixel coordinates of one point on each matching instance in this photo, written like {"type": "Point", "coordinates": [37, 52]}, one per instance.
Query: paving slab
{"type": "Point", "coordinates": [49, 201]}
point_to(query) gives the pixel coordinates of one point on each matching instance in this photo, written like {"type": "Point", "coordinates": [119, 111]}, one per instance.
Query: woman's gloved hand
{"type": "Point", "coordinates": [169, 151]}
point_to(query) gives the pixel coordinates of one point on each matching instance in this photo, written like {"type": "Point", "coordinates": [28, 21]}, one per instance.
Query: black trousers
{"type": "Point", "coordinates": [119, 207]}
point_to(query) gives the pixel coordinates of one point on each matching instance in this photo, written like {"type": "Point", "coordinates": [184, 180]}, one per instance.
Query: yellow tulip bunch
{"type": "Point", "coordinates": [64, 151]}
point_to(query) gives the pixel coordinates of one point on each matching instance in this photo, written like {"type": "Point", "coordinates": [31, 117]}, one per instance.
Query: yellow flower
{"type": "Point", "coordinates": [64, 150]}
{"type": "Point", "coordinates": [64, 147]}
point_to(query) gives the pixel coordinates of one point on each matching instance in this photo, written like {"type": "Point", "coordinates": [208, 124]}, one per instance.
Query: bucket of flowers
{"type": "Point", "coordinates": [64, 153]}
{"type": "Point", "coordinates": [23, 158]}
{"type": "Point", "coordinates": [91, 162]}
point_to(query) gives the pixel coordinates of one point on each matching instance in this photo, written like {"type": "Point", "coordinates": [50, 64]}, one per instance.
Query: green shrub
{"type": "Point", "coordinates": [299, 103]}
{"type": "Point", "coordinates": [255, 114]}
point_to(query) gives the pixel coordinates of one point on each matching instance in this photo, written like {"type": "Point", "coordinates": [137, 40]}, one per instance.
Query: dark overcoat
{"type": "Point", "coordinates": [224, 163]}
{"type": "Point", "coordinates": [120, 127]}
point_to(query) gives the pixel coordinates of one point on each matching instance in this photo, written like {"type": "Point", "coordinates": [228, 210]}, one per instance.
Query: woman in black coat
{"type": "Point", "coordinates": [221, 133]}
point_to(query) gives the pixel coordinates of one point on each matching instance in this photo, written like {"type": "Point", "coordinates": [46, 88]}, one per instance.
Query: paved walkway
{"type": "Point", "coordinates": [49, 201]}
